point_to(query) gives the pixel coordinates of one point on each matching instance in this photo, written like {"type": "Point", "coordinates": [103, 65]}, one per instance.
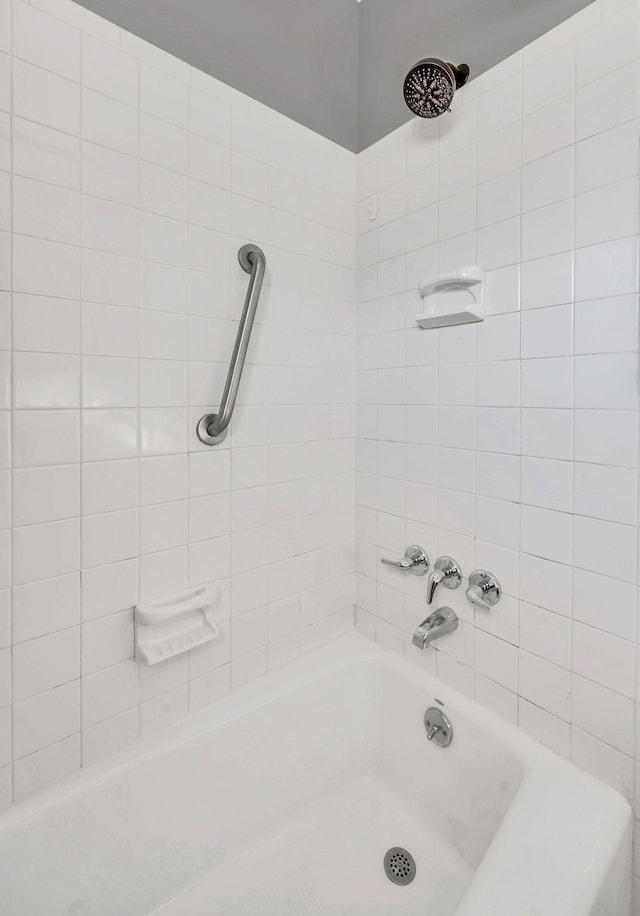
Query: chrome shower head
{"type": "Point", "coordinates": [430, 86]}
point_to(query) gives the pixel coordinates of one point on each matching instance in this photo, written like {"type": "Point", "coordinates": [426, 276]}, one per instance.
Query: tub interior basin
{"type": "Point", "coordinates": [284, 798]}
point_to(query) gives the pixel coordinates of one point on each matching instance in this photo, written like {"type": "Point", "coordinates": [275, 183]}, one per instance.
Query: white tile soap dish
{"type": "Point", "coordinates": [456, 297]}
{"type": "Point", "coordinates": [168, 626]}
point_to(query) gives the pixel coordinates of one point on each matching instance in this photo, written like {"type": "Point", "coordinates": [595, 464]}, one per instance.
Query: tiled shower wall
{"type": "Point", "coordinates": [513, 444]}
{"type": "Point", "coordinates": [129, 181]}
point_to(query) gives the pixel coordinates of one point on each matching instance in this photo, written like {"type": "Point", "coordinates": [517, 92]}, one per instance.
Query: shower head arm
{"type": "Point", "coordinates": [461, 74]}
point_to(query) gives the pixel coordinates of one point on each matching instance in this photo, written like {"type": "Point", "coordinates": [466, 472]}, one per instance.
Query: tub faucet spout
{"type": "Point", "coordinates": [437, 624]}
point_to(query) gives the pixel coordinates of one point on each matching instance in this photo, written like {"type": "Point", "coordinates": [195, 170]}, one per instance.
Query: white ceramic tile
{"type": "Point", "coordinates": [209, 116]}
{"type": "Point", "coordinates": [109, 693]}
{"type": "Point", "coordinates": [547, 433]}
{"type": "Point", "coordinates": [594, 113]}
{"type": "Point", "coordinates": [547, 180]}
{"type": "Point", "coordinates": [546, 533]}
{"type": "Point", "coordinates": [163, 526]}
{"type": "Point", "coordinates": [548, 79]}
{"type": "Point", "coordinates": [109, 174]}
{"type": "Point", "coordinates": [547, 383]}
{"type": "Point", "coordinates": [544, 727]}
{"type": "Point", "coordinates": [163, 191]}
{"type": "Point", "coordinates": [498, 199]}
{"type": "Point", "coordinates": [109, 537]}
{"type": "Point", "coordinates": [496, 659]}
{"type": "Point", "coordinates": [608, 382]}
{"type": "Point", "coordinates": [107, 641]}
{"type": "Point", "coordinates": [44, 324]}
{"type": "Point", "coordinates": [547, 130]}
{"type": "Point", "coordinates": [594, 592]}
{"type": "Point", "coordinates": [603, 762]}
{"type": "Point", "coordinates": [547, 230]}
{"type": "Point", "coordinates": [109, 434]}
{"type": "Point", "coordinates": [108, 486]}
{"type": "Point", "coordinates": [164, 383]}
{"type": "Point", "coordinates": [605, 659]}
{"type": "Point", "coordinates": [44, 663]}
{"type": "Point", "coordinates": [109, 226]}
{"type": "Point", "coordinates": [46, 211]}
{"type": "Point", "coordinates": [606, 492]}
{"type": "Point", "coordinates": [603, 713]}
{"type": "Point", "coordinates": [545, 634]}
{"type": "Point", "coordinates": [163, 431]}
{"type": "Point", "coordinates": [45, 719]}
{"type": "Point", "coordinates": [606, 325]}
{"type": "Point", "coordinates": [616, 147]}
{"type": "Point", "coordinates": [45, 607]}
{"type": "Point", "coordinates": [46, 41]}
{"type": "Point", "coordinates": [547, 332]}
{"type": "Point", "coordinates": [45, 437]}
{"type": "Point", "coordinates": [109, 737]}
{"type": "Point", "coordinates": [163, 479]}
{"type": "Point", "coordinates": [109, 71]}
{"type": "Point", "coordinates": [600, 51]}
{"type": "Point", "coordinates": [45, 767]}
{"type": "Point", "coordinates": [109, 381]}
{"type": "Point", "coordinates": [46, 268]}
{"type": "Point", "coordinates": [109, 123]}
{"type": "Point", "coordinates": [607, 269]}
{"type": "Point", "coordinates": [606, 437]}
{"type": "Point", "coordinates": [163, 95]}
{"type": "Point", "coordinates": [606, 213]}
{"type": "Point", "coordinates": [106, 589]}
{"type": "Point", "coordinates": [45, 154]}
{"type": "Point", "coordinates": [46, 98]}
{"type": "Point", "coordinates": [546, 483]}
{"type": "Point", "coordinates": [164, 144]}
{"type": "Point", "coordinates": [46, 494]}
{"type": "Point", "coordinates": [43, 551]}
{"type": "Point", "coordinates": [545, 684]}
{"type": "Point", "coordinates": [109, 278]}
{"type": "Point", "coordinates": [606, 546]}
{"type": "Point", "coordinates": [46, 380]}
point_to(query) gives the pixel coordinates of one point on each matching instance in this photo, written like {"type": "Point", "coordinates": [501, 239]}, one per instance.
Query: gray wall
{"type": "Point", "coordinates": [336, 66]}
{"type": "Point", "coordinates": [297, 56]}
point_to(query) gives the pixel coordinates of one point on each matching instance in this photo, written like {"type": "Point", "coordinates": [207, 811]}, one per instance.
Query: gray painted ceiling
{"type": "Point", "coordinates": [335, 66]}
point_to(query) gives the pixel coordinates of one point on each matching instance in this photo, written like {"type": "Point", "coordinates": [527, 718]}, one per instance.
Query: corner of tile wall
{"type": "Point", "coordinates": [512, 445]}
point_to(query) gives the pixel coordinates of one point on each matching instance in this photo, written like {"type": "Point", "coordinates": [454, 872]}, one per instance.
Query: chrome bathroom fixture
{"type": "Point", "coordinates": [415, 559]}
{"type": "Point", "coordinates": [212, 428]}
{"type": "Point", "coordinates": [445, 572]}
{"type": "Point", "coordinates": [438, 726]}
{"type": "Point", "coordinates": [430, 85]}
{"type": "Point", "coordinates": [438, 624]}
{"type": "Point", "coordinates": [484, 589]}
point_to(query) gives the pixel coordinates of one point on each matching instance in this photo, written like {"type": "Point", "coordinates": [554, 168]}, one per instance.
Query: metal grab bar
{"type": "Point", "coordinates": [212, 428]}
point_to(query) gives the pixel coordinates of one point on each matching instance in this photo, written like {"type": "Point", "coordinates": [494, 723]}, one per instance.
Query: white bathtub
{"type": "Point", "coordinates": [284, 797]}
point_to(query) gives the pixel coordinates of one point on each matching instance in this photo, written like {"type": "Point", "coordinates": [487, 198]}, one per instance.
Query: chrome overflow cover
{"type": "Point", "coordinates": [438, 727]}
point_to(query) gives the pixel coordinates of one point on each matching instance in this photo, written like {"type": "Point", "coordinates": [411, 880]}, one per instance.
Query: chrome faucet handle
{"type": "Point", "coordinates": [446, 572]}
{"type": "Point", "coordinates": [484, 589]}
{"type": "Point", "coordinates": [415, 559]}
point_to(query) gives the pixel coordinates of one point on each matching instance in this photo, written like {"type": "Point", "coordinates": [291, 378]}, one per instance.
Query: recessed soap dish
{"type": "Point", "coordinates": [459, 297]}
{"type": "Point", "coordinates": [166, 627]}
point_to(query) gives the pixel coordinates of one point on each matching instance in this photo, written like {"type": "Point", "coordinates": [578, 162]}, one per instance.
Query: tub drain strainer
{"type": "Point", "coordinates": [399, 865]}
